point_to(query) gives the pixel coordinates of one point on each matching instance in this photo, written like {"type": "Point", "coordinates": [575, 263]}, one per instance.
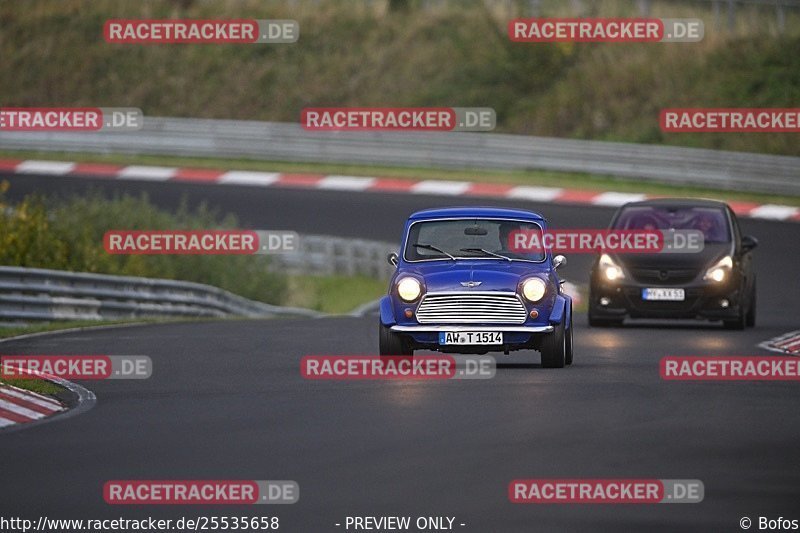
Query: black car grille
{"type": "Point", "coordinates": [661, 277]}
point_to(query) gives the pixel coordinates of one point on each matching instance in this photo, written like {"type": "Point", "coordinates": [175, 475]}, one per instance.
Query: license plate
{"type": "Point", "coordinates": [669, 295]}
{"type": "Point", "coordinates": [470, 337]}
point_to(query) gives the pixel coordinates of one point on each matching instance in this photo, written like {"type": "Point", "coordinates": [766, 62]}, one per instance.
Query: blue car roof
{"type": "Point", "coordinates": [481, 212]}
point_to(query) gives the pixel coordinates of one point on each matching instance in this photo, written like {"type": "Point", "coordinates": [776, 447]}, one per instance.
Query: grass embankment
{"type": "Point", "coordinates": [451, 54]}
{"type": "Point", "coordinates": [334, 294]}
{"type": "Point", "coordinates": [67, 234]}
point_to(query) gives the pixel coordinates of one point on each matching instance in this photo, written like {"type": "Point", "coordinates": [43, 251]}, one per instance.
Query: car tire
{"type": "Point", "coordinates": [390, 343]}
{"type": "Point", "coordinates": [568, 354]}
{"type": "Point", "coordinates": [737, 323]}
{"type": "Point", "coordinates": [554, 348]}
{"type": "Point", "coordinates": [750, 320]}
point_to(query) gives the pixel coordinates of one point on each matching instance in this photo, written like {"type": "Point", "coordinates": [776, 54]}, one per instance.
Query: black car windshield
{"type": "Point", "coordinates": [712, 221]}
{"type": "Point", "coordinates": [468, 239]}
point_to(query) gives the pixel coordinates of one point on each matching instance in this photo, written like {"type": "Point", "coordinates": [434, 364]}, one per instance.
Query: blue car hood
{"type": "Point", "coordinates": [492, 275]}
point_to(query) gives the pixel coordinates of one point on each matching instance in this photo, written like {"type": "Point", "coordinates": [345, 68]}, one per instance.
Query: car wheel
{"type": "Point", "coordinates": [390, 343]}
{"type": "Point", "coordinates": [751, 310]}
{"type": "Point", "coordinates": [554, 348]}
{"type": "Point", "coordinates": [568, 355]}
{"type": "Point", "coordinates": [736, 323]}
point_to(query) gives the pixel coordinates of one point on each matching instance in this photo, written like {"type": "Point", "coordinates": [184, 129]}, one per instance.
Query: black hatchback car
{"type": "Point", "coordinates": [716, 283]}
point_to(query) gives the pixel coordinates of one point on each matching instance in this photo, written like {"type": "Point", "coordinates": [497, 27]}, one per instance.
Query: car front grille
{"type": "Point", "coordinates": [664, 276]}
{"type": "Point", "coordinates": [471, 308]}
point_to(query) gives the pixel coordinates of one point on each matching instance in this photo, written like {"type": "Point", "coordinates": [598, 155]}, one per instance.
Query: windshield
{"type": "Point", "coordinates": [467, 239]}
{"type": "Point", "coordinates": [710, 220]}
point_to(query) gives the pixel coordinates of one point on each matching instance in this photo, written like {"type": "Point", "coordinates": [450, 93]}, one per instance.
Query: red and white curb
{"type": "Point", "coordinates": [556, 195]}
{"type": "Point", "coordinates": [18, 406]}
{"type": "Point", "coordinates": [788, 343]}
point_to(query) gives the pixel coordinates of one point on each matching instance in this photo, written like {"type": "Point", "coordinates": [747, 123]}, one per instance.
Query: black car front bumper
{"type": "Point", "coordinates": [617, 301]}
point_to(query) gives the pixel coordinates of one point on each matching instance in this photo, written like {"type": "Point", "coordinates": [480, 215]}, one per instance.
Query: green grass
{"type": "Point", "coordinates": [456, 54]}
{"type": "Point", "coordinates": [66, 233]}
{"type": "Point", "coordinates": [334, 294]}
{"type": "Point", "coordinates": [40, 386]}
{"type": "Point", "coordinates": [527, 177]}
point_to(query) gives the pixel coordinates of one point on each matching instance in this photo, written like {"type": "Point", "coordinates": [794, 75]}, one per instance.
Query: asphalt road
{"type": "Point", "coordinates": [226, 401]}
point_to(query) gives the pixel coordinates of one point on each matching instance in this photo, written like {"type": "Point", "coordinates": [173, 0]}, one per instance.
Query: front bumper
{"type": "Point", "coordinates": [426, 336]}
{"type": "Point", "coordinates": [701, 301]}
{"type": "Point", "coordinates": [477, 327]}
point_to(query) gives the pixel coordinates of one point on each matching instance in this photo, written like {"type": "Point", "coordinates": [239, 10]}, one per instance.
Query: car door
{"type": "Point", "coordinates": [744, 258]}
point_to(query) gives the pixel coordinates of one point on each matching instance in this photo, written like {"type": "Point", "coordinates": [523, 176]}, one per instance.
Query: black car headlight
{"type": "Point", "coordinates": [720, 271]}
{"type": "Point", "coordinates": [609, 270]}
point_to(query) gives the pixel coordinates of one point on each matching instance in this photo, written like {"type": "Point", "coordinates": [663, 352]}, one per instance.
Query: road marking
{"type": "Point", "coordinates": [788, 343]}
{"type": "Point", "coordinates": [535, 194]}
{"type": "Point", "coordinates": [14, 417]}
{"type": "Point", "coordinates": [19, 406]}
{"type": "Point", "coordinates": [345, 183]}
{"type": "Point", "coordinates": [44, 401]}
{"type": "Point", "coordinates": [239, 177]}
{"type": "Point", "coordinates": [137, 172]}
{"type": "Point", "coordinates": [614, 199]}
{"type": "Point", "coordinates": [19, 410]}
{"type": "Point", "coordinates": [774, 212]}
{"type": "Point", "coordinates": [444, 188]}
{"type": "Point", "coordinates": [367, 184]}
{"type": "Point", "coordinates": [45, 167]}
{"type": "Point", "coordinates": [27, 404]}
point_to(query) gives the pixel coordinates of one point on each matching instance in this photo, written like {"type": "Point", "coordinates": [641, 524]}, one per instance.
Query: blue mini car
{"type": "Point", "coordinates": [460, 288]}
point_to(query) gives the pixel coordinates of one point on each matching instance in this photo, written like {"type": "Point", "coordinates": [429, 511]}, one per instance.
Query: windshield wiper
{"type": "Point", "coordinates": [487, 252]}
{"type": "Point", "coordinates": [434, 248]}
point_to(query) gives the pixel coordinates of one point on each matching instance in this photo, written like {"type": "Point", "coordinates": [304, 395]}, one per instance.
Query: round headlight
{"type": "Point", "coordinates": [409, 289]}
{"type": "Point", "coordinates": [534, 289]}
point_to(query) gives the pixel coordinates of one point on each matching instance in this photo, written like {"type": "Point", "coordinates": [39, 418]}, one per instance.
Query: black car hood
{"type": "Point", "coordinates": [711, 253]}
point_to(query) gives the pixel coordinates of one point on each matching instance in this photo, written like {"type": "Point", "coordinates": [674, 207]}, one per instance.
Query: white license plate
{"type": "Point", "coordinates": [470, 337]}
{"type": "Point", "coordinates": [664, 294]}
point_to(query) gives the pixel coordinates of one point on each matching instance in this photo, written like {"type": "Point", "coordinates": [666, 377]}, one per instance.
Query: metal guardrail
{"type": "Point", "coordinates": [33, 294]}
{"type": "Point", "coordinates": [325, 255]}
{"type": "Point", "coordinates": [289, 142]}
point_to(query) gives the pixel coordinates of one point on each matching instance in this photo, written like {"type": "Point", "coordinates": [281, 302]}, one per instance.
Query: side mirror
{"type": "Point", "coordinates": [392, 259]}
{"type": "Point", "coordinates": [748, 243]}
{"type": "Point", "coordinates": [558, 261]}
